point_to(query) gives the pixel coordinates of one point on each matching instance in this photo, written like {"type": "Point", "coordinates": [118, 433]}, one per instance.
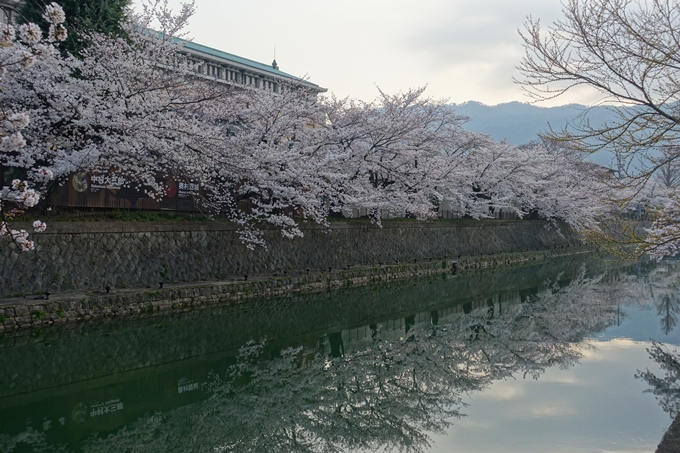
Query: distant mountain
{"type": "Point", "coordinates": [520, 123]}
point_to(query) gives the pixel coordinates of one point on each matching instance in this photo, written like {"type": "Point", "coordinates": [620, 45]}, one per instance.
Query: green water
{"type": "Point", "coordinates": [443, 364]}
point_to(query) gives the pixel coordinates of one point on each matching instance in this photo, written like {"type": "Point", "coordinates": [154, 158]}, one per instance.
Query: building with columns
{"type": "Point", "coordinates": [213, 63]}
{"type": "Point", "coordinates": [232, 69]}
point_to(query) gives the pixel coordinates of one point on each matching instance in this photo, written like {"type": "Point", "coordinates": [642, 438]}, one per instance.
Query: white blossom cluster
{"type": "Point", "coordinates": [663, 235]}
{"type": "Point", "coordinates": [20, 48]}
{"type": "Point", "coordinates": [651, 205]}
{"type": "Point", "coordinates": [138, 110]}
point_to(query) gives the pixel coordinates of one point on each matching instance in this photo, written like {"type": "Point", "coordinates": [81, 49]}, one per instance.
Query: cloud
{"type": "Point", "coordinates": [552, 409]}
{"type": "Point", "coordinates": [477, 43]}
{"type": "Point", "coordinates": [502, 391]}
{"type": "Point", "coordinates": [462, 50]}
{"type": "Point", "coordinates": [597, 405]}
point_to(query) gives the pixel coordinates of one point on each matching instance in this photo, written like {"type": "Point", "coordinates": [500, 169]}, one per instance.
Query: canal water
{"type": "Point", "coordinates": [574, 355]}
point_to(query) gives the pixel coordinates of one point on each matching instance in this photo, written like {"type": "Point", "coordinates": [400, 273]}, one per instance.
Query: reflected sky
{"type": "Point", "coordinates": [596, 406]}
{"type": "Point", "coordinates": [533, 359]}
{"type": "Point", "coordinates": [641, 323]}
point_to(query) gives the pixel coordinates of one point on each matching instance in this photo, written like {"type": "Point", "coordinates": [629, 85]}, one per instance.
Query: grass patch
{"type": "Point", "coordinates": [156, 216]}
{"type": "Point", "coordinates": [39, 314]}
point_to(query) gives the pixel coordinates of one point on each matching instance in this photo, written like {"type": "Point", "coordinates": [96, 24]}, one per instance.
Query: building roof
{"type": "Point", "coordinates": [240, 61]}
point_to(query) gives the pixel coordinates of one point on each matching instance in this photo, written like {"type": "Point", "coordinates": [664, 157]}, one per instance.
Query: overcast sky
{"type": "Point", "coordinates": [463, 50]}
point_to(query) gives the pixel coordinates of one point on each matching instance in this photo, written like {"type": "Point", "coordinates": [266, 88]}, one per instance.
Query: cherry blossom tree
{"type": "Point", "coordinates": [554, 183]}
{"type": "Point", "coordinates": [22, 48]}
{"type": "Point", "coordinates": [406, 153]}
{"type": "Point", "coordinates": [625, 51]}
{"type": "Point", "coordinates": [120, 113]}
{"type": "Point", "coordinates": [399, 154]}
{"type": "Point", "coordinates": [136, 108]}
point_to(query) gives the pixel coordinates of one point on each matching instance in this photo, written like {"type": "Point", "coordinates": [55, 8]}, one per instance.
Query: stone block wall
{"type": "Point", "coordinates": [87, 256]}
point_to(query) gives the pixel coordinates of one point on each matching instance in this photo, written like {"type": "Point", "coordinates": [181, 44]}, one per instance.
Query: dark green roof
{"type": "Point", "coordinates": [243, 61]}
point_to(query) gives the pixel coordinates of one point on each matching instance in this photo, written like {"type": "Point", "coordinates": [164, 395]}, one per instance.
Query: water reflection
{"type": "Point", "coordinates": [662, 287]}
{"type": "Point", "coordinates": [388, 383]}
{"type": "Point", "coordinates": [395, 391]}
{"type": "Point", "coordinates": [666, 388]}
{"type": "Point", "coordinates": [664, 290]}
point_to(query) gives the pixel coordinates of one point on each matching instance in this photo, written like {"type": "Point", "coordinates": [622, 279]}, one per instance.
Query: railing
{"type": "Point", "coordinates": [638, 216]}
{"type": "Point", "coordinates": [500, 214]}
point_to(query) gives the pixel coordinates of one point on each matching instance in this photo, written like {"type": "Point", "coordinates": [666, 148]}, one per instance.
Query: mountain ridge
{"type": "Point", "coordinates": [519, 122]}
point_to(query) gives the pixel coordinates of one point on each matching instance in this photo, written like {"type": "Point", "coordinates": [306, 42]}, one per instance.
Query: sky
{"type": "Point", "coordinates": [462, 50]}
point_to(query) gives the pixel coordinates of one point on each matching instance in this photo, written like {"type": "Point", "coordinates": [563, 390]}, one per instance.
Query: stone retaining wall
{"type": "Point", "coordinates": [25, 313]}
{"type": "Point", "coordinates": [88, 256]}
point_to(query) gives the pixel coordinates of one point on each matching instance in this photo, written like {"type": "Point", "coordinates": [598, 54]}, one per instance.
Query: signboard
{"type": "Point", "coordinates": [84, 189]}
{"type": "Point", "coordinates": [113, 191]}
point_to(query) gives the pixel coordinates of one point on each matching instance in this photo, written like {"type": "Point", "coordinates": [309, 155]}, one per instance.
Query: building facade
{"type": "Point", "coordinates": [231, 69]}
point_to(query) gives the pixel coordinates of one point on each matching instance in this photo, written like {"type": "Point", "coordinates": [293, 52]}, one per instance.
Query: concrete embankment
{"type": "Point", "coordinates": [88, 256]}
{"type": "Point", "coordinates": [77, 306]}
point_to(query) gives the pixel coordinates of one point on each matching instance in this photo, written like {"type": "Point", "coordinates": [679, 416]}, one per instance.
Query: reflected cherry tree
{"type": "Point", "coordinates": [665, 388]}
{"type": "Point", "coordinates": [663, 285]}
{"type": "Point", "coordinates": [665, 290]}
{"type": "Point", "coordinates": [391, 394]}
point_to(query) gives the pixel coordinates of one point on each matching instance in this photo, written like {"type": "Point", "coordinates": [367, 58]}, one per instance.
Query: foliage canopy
{"type": "Point", "coordinates": [101, 16]}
